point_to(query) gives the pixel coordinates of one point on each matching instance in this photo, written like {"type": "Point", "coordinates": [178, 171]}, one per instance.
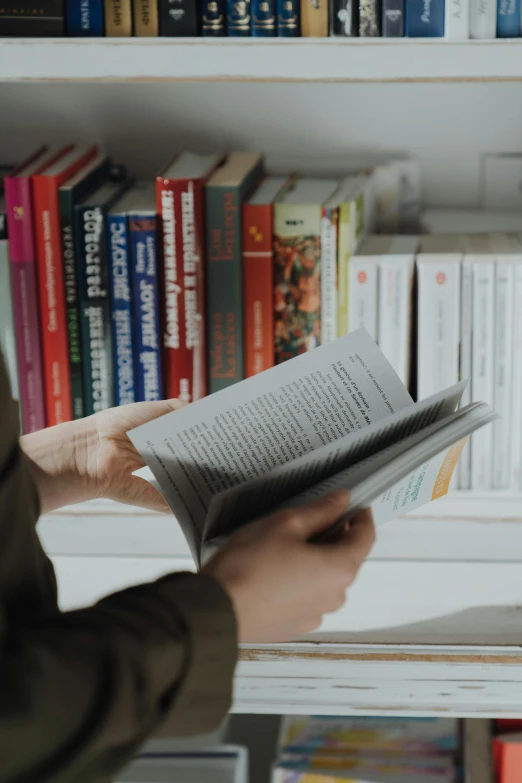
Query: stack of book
{"type": "Point", "coordinates": [384, 750]}
{"type": "Point", "coordinates": [451, 19]}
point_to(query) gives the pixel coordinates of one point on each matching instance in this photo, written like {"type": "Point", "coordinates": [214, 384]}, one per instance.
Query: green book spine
{"type": "Point", "coordinates": [67, 197]}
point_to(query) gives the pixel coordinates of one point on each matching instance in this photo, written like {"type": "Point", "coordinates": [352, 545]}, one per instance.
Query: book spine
{"type": "Point", "coordinates": [145, 297]}
{"type": "Point", "coordinates": [370, 13]}
{"type": "Point", "coordinates": [503, 373]}
{"type": "Point", "coordinates": [146, 18]}
{"type": "Point", "coordinates": [224, 287]}
{"type": "Point", "coordinates": [482, 383]}
{"type": "Point", "coordinates": [213, 18]}
{"type": "Point", "coordinates": [95, 311]}
{"type": "Point", "coordinates": [456, 21]}
{"type": "Point", "coordinates": [363, 295]}
{"type": "Point", "coordinates": [180, 204]}
{"type": "Point", "coordinates": [483, 19]}
{"type": "Point", "coordinates": [393, 18]}
{"type": "Point", "coordinates": [508, 18]}
{"type": "Point", "coordinates": [85, 18]}
{"type": "Point", "coordinates": [239, 19]}
{"type": "Point", "coordinates": [345, 249]}
{"type": "Point", "coordinates": [343, 18]}
{"type": "Point", "coordinates": [71, 304]}
{"type": "Point", "coordinates": [516, 417]}
{"type": "Point", "coordinates": [329, 229]}
{"type": "Point", "coordinates": [395, 313]}
{"type": "Point", "coordinates": [53, 315]}
{"type": "Point", "coordinates": [120, 289]}
{"type": "Point", "coordinates": [32, 18]}
{"type": "Point", "coordinates": [264, 18]}
{"type": "Point", "coordinates": [425, 18]}
{"type": "Point", "coordinates": [288, 18]}
{"type": "Point", "coordinates": [7, 328]}
{"type": "Point", "coordinates": [466, 320]}
{"type": "Point", "coordinates": [118, 18]}
{"type": "Point", "coordinates": [258, 288]}
{"type": "Point", "coordinates": [179, 18]}
{"type": "Point", "coordinates": [314, 18]}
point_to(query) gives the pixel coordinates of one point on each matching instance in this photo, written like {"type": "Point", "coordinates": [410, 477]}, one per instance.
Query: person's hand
{"type": "Point", "coordinates": [93, 458]}
{"type": "Point", "coordinates": [280, 584]}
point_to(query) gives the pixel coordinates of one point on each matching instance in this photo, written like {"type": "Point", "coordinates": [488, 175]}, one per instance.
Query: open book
{"type": "Point", "coordinates": [336, 417]}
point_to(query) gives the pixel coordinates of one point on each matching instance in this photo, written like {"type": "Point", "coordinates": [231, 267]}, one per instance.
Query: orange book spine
{"type": "Point", "coordinates": [258, 288]}
{"type": "Point", "coordinates": [51, 291]}
{"type": "Point", "coordinates": [314, 18]}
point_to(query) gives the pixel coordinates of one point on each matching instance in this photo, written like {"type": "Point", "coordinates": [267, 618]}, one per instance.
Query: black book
{"type": "Point", "coordinates": [393, 18]}
{"type": "Point", "coordinates": [178, 18]}
{"type": "Point", "coordinates": [32, 18]}
{"type": "Point", "coordinates": [343, 18]}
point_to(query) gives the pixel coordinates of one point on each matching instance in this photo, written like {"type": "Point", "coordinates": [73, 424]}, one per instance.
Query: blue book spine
{"type": "Point", "coordinates": [508, 19]}
{"type": "Point", "coordinates": [84, 18]}
{"type": "Point", "coordinates": [213, 18]}
{"type": "Point", "coordinates": [288, 18]}
{"type": "Point", "coordinates": [122, 337]}
{"type": "Point", "coordinates": [425, 18]}
{"type": "Point", "coordinates": [238, 18]}
{"type": "Point", "coordinates": [263, 18]}
{"type": "Point", "coordinates": [146, 306]}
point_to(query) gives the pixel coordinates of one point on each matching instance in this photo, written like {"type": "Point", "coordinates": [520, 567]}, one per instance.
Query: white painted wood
{"type": "Point", "coordinates": [365, 60]}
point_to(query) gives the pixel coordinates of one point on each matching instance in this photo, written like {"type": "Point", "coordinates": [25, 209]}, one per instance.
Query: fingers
{"type": "Point", "coordinates": [138, 492]}
{"type": "Point", "coordinates": [355, 544]}
{"type": "Point", "coordinates": [306, 521]}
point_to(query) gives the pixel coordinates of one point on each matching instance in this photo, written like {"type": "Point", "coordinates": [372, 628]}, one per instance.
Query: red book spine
{"type": "Point", "coordinates": [25, 301]}
{"type": "Point", "coordinates": [258, 288]}
{"type": "Point", "coordinates": [180, 205]}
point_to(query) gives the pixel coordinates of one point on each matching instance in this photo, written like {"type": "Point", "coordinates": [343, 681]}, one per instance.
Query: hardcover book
{"type": "Point", "coordinates": [363, 288]}
{"type": "Point", "coordinates": [94, 295]}
{"type": "Point", "coordinates": [343, 18]}
{"type": "Point", "coordinates": [258, 275]}
{"type": "Point", "coordinates": [85, 18]}
{"type": "Point", "coordinates": [179, 18]}
{"type": "Point", "coordinates": [508, 18]}
{"type": "Point", "coordinates": [213, 18]}
{"type": "Point", "coordinates": [425, 18]}
{"type": "Point", "coordinates": [32, 18]}
{"type": "Point", "coordinates": [264, 18]}
{"type": "Point", "coordinates": [393, 18]}
{"type": "Point", "coordinates": [297, 265]}
{"type": "Point", "coordinates": [288, 18]}
{"type": "Point", "coordinates": [145, 296]}
{"type": "Point", "coordinates": [483, 19]}
{"type": "Point", "coordinates": [7, 326]}
{"type": "Point", "coordinates": [180, 203]}
{"type": "Point", "coordinates": [239, 18]}
{"type": "Point", "coordinates": [51, 279]}
{"type": "Point", "coordinates": [456, 20]}
{"type": "Point", "coordinates": [118, 18]}
{"type": "Point", "coordinates": [314, 18]}
{"type": "Point", "coordinates": [22, 256]}
{"type": "Point", "coordinates": [370, 12]}
{"type": "Point", "coordinates": [146, 18]}
{"type": "Point", "coordinates": [225, 192]}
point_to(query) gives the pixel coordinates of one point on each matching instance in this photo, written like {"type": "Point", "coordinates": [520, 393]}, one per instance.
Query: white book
{"type": "Point", "coordinates": [516, 415]}
{"type": "Point", "coordinates": [466, 322]}
{"type": "Point", "coordinates": [363, 286]}
{"type": "Point", "coordinates": [396, 279]}
{"type": "Point", "coordinates": [457, 20]}
{"type": "Point", "coordinates": [439, 277]}
{"type": "Point", "coordinates": [483, 19]}
{"type": "Point", "coordinates": [508, 252]}
{"type": "Point", "coordinates": [480, 253]}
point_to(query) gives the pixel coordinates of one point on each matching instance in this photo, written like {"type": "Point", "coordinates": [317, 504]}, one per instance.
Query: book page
{"type": "Point", "coordinates": [254, 427]}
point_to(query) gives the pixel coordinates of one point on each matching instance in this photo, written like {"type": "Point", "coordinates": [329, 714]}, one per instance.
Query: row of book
{"type": "Point", "coordinates": [452, 19]}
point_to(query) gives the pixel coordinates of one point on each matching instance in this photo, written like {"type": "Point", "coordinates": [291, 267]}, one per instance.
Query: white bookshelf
{"type": "Point", "coordinates": [433, 624]}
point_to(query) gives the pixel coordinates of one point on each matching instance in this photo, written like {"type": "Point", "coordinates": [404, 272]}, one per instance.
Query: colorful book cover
{"type": "Point", "coordinates": [393, 18]}
{"type": "Point", "coordinates": [118, 18]}
{"type": "Point", "coordinates": [352, 226]}
{"type": "Point", "coordinates": [145, 299]}
{"type": "Point", "coordinates": [85, 18]}
{"type": "Point", "coordinates": [297, 266]}
{"type": "Point", "coordinates": [425, 18]}
{"type": "Point", "coordinates": [370, 13]}
{"type": "Point", "coordinates": [180, 203]}
{"type": "Point", "coordinates": [225, 192]}
{"type": "Point", "coordinates": [146, 18]}
{"type": "Point", "coordinates": [94, 295]}
{"type": "Point", "coordinates": [508, 18]}
{"type": "Point", "coordinates": [32, 18]}
{"type": "Point", "coordinates": [213, 18]}
{"type": "Point", "coordinates": [264, 18]}
{"type": "Point", "coordinates": [179, 18]}
{"type": "Point", "coordinates": [314, 18]}
{"type": "Point", "coordinates": [83, 182]}
{"type": "Point", "coordinates": [258, 275]}
{"type": "Point", "coordinates": [239, 18]}
{"type": "Point", "coordinates": [288, 18]}
{"type": "Point", "coordinates": [121, 299]}
{"type": "Point", "coordinates": [22, 255]}
{"type": "Point", "coordinates": [51, 282]}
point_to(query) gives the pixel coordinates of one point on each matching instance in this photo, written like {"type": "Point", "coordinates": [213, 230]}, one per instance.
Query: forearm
{"type": "Point", "coordinates": [57, 464]}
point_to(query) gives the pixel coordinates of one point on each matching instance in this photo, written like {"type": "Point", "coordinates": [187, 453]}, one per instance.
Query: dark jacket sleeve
{"type": "Point", "coordinates": [79, 691]}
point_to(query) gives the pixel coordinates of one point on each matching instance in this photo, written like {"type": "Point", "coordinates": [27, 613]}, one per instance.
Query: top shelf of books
{"type": "Point", "coordinates": [299, 60]}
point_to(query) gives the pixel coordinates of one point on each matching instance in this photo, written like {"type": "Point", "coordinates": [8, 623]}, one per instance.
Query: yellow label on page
{"type": "Point", "coordinates": [443, 481]}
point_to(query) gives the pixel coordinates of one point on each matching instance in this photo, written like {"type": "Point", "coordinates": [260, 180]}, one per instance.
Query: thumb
{"type": "Point", "coordinates": [137, 413]}
{"type": "Point", "coordinates": [320, 514]}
